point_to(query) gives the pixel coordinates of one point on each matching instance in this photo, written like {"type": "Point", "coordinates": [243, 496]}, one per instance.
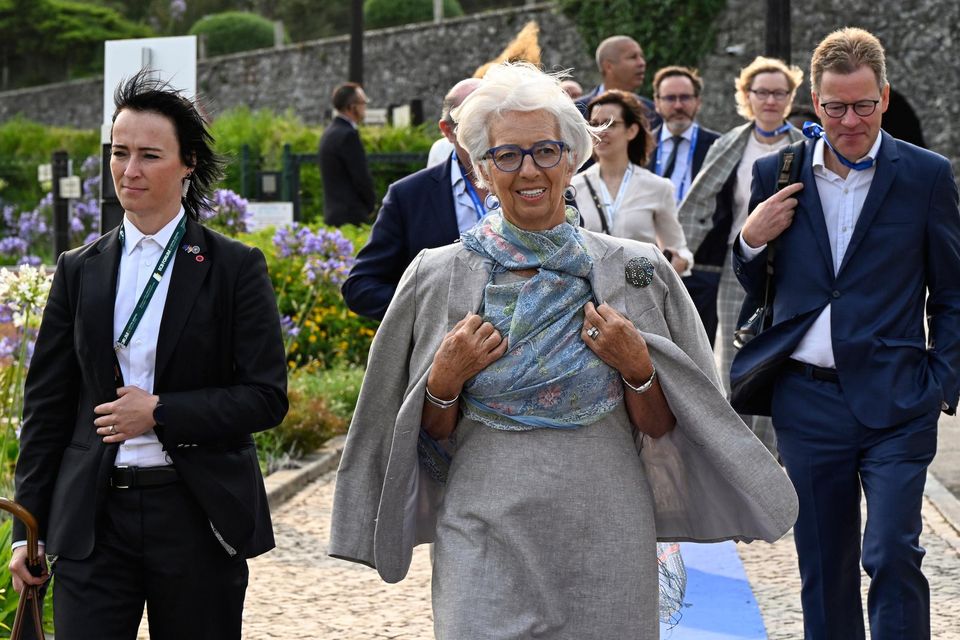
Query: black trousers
{"type": "Point", "coordinates": [154, 546]}
{"type": "Point", "coordinates": [703, 287]}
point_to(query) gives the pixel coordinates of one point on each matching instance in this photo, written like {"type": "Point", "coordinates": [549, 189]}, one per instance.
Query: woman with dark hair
{"type": "Point", "coordinates": [159, 354]}
{"type": "Point", "coordinates": [618, 195]}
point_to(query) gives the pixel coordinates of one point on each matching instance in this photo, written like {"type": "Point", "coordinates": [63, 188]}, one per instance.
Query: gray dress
{"type": "Point", "coordinates": [546, 534]}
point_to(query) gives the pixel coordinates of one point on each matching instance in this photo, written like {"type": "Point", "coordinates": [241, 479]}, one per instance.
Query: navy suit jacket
{"type": "Point", "coordinates": [904, 253]}
{"type": "Point", "coordinates": [418, 213]}
{"type": "Point", "coordinates": [705, 138]}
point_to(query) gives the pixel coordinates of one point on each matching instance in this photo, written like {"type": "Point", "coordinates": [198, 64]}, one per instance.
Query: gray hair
{"type": "Point", "coordinates": [520, 86]}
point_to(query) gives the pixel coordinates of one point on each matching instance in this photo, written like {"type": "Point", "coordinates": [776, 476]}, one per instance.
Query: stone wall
{"type": "Point", "coordinates": [920, 40]}
{"type": "Point", "coordinates": [400, 64]}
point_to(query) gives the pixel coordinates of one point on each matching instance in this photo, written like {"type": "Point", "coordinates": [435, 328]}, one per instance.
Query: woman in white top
{"type": "Point", "coordinates": [720, 194]}
{"type": "Point", "coordinates": [617, 195]}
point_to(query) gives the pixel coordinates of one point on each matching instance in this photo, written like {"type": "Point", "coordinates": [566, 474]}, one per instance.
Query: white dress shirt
{"type": "Point", "coordinates": [841, 200]}
{"type": "Point", "coordinates": [138, 260]}
{"type": "Point", "coordinates": [466, 211]}
{"type": "Point", "coordinates": [682, 174]}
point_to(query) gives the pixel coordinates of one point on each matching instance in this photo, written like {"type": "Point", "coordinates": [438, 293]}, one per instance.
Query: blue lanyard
{"type": "Point", "coordinates": [689, 171]}
{"type": "Point", "coordinates": [813, 131]}
{"type": "Point", "coordinates": [782, 129]}
{"type": "Point", "coordinates": [477, 202]}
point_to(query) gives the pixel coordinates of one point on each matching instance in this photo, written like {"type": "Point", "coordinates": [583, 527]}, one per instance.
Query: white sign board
{"type": "Point", "coordinates": [375, 116]}
{"type": "Point", "coordinates": [70, 187]}
{"type": "Point", "coordinates": [171, 59]}
{"type": "Point", "coordinates": [44, 172]}
{"type": "Point", "coordinates": [269, 214]}
{"type": "Point", "coordinates": [401, 115]}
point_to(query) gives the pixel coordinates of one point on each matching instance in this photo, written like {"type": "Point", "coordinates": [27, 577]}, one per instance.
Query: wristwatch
{"type": "Point", "coordinates": [160, 414]}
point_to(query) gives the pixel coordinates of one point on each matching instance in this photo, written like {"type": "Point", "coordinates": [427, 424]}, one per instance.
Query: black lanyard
{"type": "Point", "coordinates": [152, 283]}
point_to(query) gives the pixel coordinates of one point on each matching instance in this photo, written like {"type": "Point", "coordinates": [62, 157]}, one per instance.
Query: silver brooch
{"type": "Point", "coordinates": [639, 272]}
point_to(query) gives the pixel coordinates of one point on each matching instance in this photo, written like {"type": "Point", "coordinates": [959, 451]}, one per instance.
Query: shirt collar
{"type": "Point", "coordinates": [456, 176]}
{"type": "Point", "coordinates": [133, 236]}
{"type": "Point", "coordinates": [337, 114]}
{"type": "Point", "coordinates": [818, 148]}
{"type": "Point", "coordinates": [686, 135]}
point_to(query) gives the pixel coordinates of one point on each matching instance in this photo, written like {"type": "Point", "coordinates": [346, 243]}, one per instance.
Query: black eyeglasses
{"type": "Point", "coordinates": [763, 94]}
{"type": "Point", "coordinates": [508, 157]}
{"type": "Point", "coordinates": [862, 108]}
{"type": "Point", "coordinates": [683, 98]}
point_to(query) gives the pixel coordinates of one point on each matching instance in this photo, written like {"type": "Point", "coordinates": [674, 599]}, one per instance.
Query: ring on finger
{"type": "Point", "coordinates": [113, 429]}
{"type": "Point", "coordinates": [593, 332]}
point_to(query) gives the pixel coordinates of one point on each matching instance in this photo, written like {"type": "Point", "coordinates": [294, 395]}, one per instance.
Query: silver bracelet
{"type": "Point", "coordinates": [437, 402]}
{"type": "Point", "coordinates": [645, 386]}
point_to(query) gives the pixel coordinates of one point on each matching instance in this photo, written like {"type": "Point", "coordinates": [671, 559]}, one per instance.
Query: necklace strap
{"type": "Point", "coordinates": [165, 259]}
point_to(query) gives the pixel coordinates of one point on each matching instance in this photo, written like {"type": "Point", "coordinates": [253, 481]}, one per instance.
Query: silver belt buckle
{"type": "Point", "coordinates": [120, 486]}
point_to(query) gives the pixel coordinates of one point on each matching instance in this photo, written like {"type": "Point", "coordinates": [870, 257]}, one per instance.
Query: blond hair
{"type": "Point", "coordinates": [762, 64]}
{"type": "Point", "coordinates": [846, 50]}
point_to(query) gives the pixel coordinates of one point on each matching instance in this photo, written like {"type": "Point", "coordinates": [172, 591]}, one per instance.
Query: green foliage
{"type": "Point", "coordinates": [320, 331]}
{"type": "Point", "coordinates": [389, 13]}
{"type": "Point", "coordinates": [670, 31]}
{"type": "Point", "coordinates": [25, 144]}
{"type": "Point", "coordinates": [265, 132]}
{"type": "Point", "coordinates": [321, 405]}
{"type": "Point", "coordinates": [234, 31]}
{"type": "Point", "coordinates": [45, 41]}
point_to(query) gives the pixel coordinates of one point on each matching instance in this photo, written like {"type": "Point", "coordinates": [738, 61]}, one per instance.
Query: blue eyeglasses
{"type": "Point", "coordinates": [508, 157]}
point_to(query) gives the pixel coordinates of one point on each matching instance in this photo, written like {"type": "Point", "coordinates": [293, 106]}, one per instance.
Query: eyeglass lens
{"type": "Point", "coordinates": [862, 108]}
{"type": "Point", "coordinates": [763, 94]}
{"type": "Point", "coordinates": [546, 154]}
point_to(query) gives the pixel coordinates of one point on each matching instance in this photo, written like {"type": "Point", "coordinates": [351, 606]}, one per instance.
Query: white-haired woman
{"type": "Point", "coordinates": [513, 381]}
{"type": "Point", "coordinates": [720, 196]}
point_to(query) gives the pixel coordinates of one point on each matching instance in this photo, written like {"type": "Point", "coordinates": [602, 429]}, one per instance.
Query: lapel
{"type": "Point", "coordinates": [809, 202]}
{"type": "Point", "coordinates": [98, 295]}
{"type": "Point", "coordinates": [883, 178]}
{"type": "Point", "coordinates": [468, 279]}
{"type": "Point", "coordinates": [186, 280]}
{"type": "Point", "coordinates": [606, 278]}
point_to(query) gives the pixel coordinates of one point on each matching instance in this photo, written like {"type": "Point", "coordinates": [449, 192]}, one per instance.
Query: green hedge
{"type": "Point", "coordinates": [233, 31]}
{"type": "Point", "coordinates": [389, 13]}
{"type": "Point", "coordinates": [670, 31]}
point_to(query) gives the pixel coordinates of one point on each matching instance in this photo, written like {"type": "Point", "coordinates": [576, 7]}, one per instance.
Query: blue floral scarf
{"type": "Point", "coordinates": [548, 377]}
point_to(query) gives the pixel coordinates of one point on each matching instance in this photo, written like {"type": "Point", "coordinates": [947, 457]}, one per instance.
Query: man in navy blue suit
{"type": "Point", "coordinates": [866, 243]}
{"type": "Point", "coordinates": [424, 210]}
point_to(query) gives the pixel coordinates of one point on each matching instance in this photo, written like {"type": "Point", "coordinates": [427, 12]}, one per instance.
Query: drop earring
{"type": "Point", "coordinates": [492, 202]}
{"type": "Point", "coordinates": [185, 187]}
{"type": "Point", "coordinates": [570, 193]}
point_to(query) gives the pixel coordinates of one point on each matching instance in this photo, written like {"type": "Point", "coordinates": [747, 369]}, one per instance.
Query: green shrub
{"type": "Point", "coordinates": [233, 31]}
{"type": "Point", "coordinates": [321, 406]}
{"type": "Point", "coordinates": [265, 133]}
{"type": "Point", "coordinates": [53, 40]}
{"type": "Point", "coordinates": [670, 31]}
{"type": "Point", "coordinates": [25, 144]}
{"type": "Point", "coordinates": [389, 13]}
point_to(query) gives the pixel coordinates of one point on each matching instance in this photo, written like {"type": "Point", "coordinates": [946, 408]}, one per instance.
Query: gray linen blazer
{"type": "Point", "coordinates": [710, 477]}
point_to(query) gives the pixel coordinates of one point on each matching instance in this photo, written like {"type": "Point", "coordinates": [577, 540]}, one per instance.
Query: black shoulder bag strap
{"type": "Point", "coordinates": [789, 163]}
{"type": "Point", "coordinates": [599, 205]}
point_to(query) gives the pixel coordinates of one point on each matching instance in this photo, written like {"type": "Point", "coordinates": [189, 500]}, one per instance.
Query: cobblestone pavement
{"type": "Point", "coordinates": [773, 576]}
{"type": "Point", "coordinates": [296, 591]}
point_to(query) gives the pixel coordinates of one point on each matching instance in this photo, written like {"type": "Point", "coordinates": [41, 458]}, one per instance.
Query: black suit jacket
{"type": "Point", "coordinates": [418, 213]}
{"type": "Point", "coordinates": [705, 138]}
{"type": "Point", "coordinates": [348, 196]}
{"type": "Point", "coordinates": [220, 374]}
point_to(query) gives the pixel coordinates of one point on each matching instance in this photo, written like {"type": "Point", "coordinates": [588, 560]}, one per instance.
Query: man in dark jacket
{"type": "Point", "coordinates": [348, 196]}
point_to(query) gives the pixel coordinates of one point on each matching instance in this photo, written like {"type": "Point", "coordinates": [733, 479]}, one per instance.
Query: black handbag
{"type": "Point", "coordinates": [756, 318]}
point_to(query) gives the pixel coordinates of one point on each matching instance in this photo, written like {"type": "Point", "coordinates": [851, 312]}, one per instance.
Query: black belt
{"type": "Point", "coordinates": [813, 371]}
{"type": "Point", "coordinates": [139, 477]}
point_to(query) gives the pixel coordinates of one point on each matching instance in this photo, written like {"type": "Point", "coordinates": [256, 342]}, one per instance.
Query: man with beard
{"type": "Point", "coordinates": [681, 142]}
